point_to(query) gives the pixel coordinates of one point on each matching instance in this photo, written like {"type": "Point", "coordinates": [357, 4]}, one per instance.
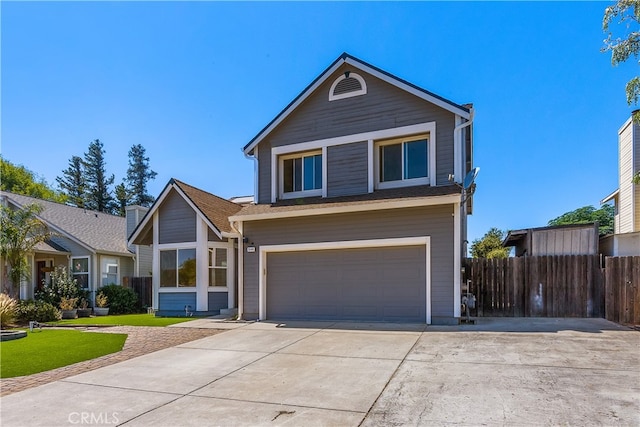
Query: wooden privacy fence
{"type": "Point", "coordinates": [622, 290]}
{"type": "Point", "coordinates": [556, 286]}
{"type": "Point", "coordinates": [142, 286]}
{"type": "Point", "coordinates": [537, 286]}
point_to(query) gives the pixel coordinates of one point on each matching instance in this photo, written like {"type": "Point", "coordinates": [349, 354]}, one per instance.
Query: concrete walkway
{"type": "Point", "coordinates": [498, 372]}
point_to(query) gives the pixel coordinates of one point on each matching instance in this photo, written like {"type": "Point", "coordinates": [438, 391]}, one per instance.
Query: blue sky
{"type": "Point", "coordinates": [194, 82]}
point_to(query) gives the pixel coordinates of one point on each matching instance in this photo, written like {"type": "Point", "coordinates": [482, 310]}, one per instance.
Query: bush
{"type": "Point", "coordinates": [7, 310]}
{"type": "Point", "coordinates": [40, 311]}
{"type": "Point", "coordinates": [61, 285]}
{"type": "Point", "coordinates": [121, 300]}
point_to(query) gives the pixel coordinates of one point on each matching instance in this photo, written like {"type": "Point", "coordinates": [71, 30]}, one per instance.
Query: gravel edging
{"type": "Point", "coordinates": [141, 340]}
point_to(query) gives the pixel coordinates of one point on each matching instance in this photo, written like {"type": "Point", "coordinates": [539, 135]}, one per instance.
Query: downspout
{"type": "Point", "coordinates": [240, 267]}
{"type": "Point", "coordinates": [255, 175]}
{"type": "Point", "coordinates": [462, 126]}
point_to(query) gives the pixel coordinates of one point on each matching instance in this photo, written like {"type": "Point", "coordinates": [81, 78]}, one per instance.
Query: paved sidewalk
{"type": "Point", "coordinates": [141, 340]}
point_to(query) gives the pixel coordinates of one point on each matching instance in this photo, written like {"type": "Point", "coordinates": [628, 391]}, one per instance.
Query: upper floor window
{"type": "Point", "coordinates": [301, 175]}
{"type": "Point", "coordinates": [403, 162]}
{"type": "Point", "coordinates": [347, 85]}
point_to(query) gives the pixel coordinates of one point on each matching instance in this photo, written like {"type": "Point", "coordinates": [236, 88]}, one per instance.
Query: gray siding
{"type": "Point", "coordinates": [436, 221]}
{"type": "Point", "coordinates": [177, 220]}
{"type": "Point", "coordinates": [176, 301]}
{"type": "Point", "coordinates": [71, 246]}
{"type": "Point", "coordinates": [145, 260]}
{"type": "Point", "coordinates": [383, 107]}
{"type": "Point", "coordinates": [347, 171]}
{"type": "Point", "coordinates": [218, 300]}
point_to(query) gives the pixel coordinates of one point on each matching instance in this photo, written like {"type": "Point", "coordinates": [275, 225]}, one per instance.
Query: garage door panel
{"type": "Point", "coordinates": [384, 284]}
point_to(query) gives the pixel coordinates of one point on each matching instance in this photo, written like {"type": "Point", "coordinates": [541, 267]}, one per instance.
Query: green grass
{"type": "Point", "coordinates": [53, 348]}
{"type": "Point", "coordinates": [125, 320]}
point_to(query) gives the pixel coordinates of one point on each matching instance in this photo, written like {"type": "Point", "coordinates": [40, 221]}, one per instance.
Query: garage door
{"type": "Point", "coordinates": [372, 284]}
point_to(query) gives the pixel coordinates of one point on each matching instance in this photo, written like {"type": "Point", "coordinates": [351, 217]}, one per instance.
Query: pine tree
{"type": "Point", "coordinates": [99, 196]}
{"type": "Point", "coordinates": [122, 199]}
{"type": "Point", "coordinates": [72, 182]}
{"type": "Point", "coordinates": [138, 174]}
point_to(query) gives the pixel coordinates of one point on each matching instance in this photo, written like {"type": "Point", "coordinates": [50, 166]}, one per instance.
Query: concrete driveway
{"type": "Point", "coordinates": [498, 372]}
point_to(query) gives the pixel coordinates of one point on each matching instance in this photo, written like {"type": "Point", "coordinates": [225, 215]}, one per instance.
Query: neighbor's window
{"type": "Point", "coordinates": [217, 267]}
{"type": "Point", "coordinates": [109, 268]}
{"type": "Point", "coordinates": [178, 268]}
{"type": "Point", "coordinates": [301, 175]}
{"type": "Point", "coordinates": [80, 271]}
{"type": "Point", "coordinates": [404, 161]}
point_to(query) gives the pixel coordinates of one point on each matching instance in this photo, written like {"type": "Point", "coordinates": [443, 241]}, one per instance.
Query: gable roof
{"type": "Point", "coordinates": [96, 231]}
{"type": "Point", "coordinates": [213, 209]}
{"type": "Point", "coordinates": [345, 58]}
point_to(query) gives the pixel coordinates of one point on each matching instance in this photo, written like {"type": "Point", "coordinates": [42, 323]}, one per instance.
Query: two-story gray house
{"type": "Point", "coordinates": [357, 214]}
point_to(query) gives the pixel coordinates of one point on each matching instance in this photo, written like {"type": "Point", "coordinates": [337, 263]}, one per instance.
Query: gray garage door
{"type": "Point", "coordinates": [377, 284]}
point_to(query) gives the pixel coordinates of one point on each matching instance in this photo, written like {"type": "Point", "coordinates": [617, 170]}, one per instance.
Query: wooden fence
{"type": "Point", "coordinates": [556, 286]}
{"type": "Point", "coordinates": [142, 287]}
{"type": "Point", "coordinates": [622, 289]}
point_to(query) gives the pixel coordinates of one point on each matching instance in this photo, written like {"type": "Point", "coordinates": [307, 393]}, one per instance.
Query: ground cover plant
{"type": "Point", "coordinates": [125, 320]}
{"type": "Point", "coordinates": [47, 349]}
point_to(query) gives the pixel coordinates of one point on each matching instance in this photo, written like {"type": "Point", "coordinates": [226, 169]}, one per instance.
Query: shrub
{"type": "Point", "coordinates": [61, 285]}
{"type": "Point", "coordinates": [68, 303]}
{"type": "Point", "coordinates": [40, 311]}
{"type": "Point", "coordinates": [121, 300]}
{"type": "Point", "coordinates": [102, 300]}
{"type": "Point", "coordinates": [7, 310]}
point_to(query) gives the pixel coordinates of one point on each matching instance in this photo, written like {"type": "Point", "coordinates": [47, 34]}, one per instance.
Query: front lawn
{"type": "Point", "coordinates": [125, 320]}
{"type": "Point", "coordinates": [47, 349]}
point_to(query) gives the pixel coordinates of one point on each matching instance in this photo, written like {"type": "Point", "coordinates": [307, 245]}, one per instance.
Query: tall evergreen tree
{"type": "Point", "coordinates": [99, 196]}
{"type": "Point", "coordinates": [122, 199]}
{"type": "Point", "coordinates": [72, 182]}
{"type": "Point", "coordinates": [138, 174]}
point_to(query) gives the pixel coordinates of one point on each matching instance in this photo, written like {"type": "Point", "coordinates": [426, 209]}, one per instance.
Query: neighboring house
{"type": "Point", "coordinates": [193, 244]}
{"type": "Point", "coordinates": [356, 217]}
{"type": "Point", "coordinates": [626, 238]}
{"type": "Point", "coordinates": [574, 239]}
{"type": "Point", "coordinates": [92, 245]}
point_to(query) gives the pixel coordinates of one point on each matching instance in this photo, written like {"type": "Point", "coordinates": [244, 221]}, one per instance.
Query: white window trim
{"type": "Point", "coordinates": [429, 179]}
{"type": "Point", "coordinates": [117, 265]}
{"type": "Point", "coordinates": [229, 267]}
{"type": "Point", "coordinates": [88, 272]}
{"type": "Point", "coordinates": [351, 94]}
{"type": "Point", "coordinates": [303, 193]}
{"type": "Point", "coordinates": [176, 247]}
{"type": "Point", "coordinates": [420, 128]}
{"type": "Point", "coordinates": [346, 244]}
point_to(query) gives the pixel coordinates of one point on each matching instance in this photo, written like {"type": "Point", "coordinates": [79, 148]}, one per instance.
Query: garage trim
{"type": "Point", "coordinates": [345, 244]}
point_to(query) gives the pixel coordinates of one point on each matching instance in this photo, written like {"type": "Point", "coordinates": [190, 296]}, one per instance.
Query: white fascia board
{"type": "Point", "coordinates": [148, 216]}
{"type": "Point", "coordinates": [610, 197]}
{"type": "Point", "coordinates": [382, 205]}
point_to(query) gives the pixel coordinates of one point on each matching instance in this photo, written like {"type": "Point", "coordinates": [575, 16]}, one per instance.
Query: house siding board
{"type": "Point", "coordinates": [626, 174]}
{"type": "Point", "coordinates": [172, 301]}
{"type": "Point", "coordinates": [218, 300]}
{"type": "Point", "coordinates": [434, 221]}
{"type": "Point", "coordinates": [636, 169]}
{"type": "Point", "coordinates": [347, 170]}
{"type": "Point", "coordinates": [384, 106]}
{"type": "Point", "coordinates": [177, 220]}
{"type": "Point", "coordinates": [70, 245]}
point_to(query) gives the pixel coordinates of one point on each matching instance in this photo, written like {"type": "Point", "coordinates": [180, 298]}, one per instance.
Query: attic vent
{"type": "Point", "coordinates": [347, 85]}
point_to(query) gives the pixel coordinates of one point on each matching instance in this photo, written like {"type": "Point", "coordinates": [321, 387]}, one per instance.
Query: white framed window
{"type": "Point", "coordinates": [403, 162]}
{"type": "Point", "coordinates": [347, 85]}
{"type": "Point", "coordinates": [301, 175]}
{"type": "Point", "coordinates": [80, 271]}
{"type": "Point", "coordinates": [178, 268]}
{"type": "Point", "coordinates": [109, 271]}
{"type": "Point", "coordinates": [218, 267]}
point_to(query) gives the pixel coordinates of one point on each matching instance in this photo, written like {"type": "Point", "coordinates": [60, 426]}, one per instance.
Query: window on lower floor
{"type": "Point", "coordinates": [178, 268]}
{"type": "Point", "coordinates": [217, 267]}
{"type": "Point", "coordinates": [109, 271]}
{"type": "Point", "coordinates": [80, 271]}
{"type": "Point", "coordinates": [301, 175]}
{"type": "Point", "coordinates": [403, 162]}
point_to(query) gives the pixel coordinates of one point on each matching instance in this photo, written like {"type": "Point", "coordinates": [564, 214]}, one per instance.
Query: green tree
{"type": "Point", "coordinates": [490, 245]}
{"type": "Point", "coordinates": [138, 174]}
{"type": "Point", "coordinates": [586, 214]}
{"type": "Point", "coordinates": [73, 183]}
{"type": "Point", "coordinates": [122, 199]}
{"type": "Point", "coordinates": [22, 230]}
{"type": "Point", "coordinates": [99, 196]}
{"type": "Point", "coordinates": [627, 13]}
{"type": "Point", "coordinates": [20, 180]}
